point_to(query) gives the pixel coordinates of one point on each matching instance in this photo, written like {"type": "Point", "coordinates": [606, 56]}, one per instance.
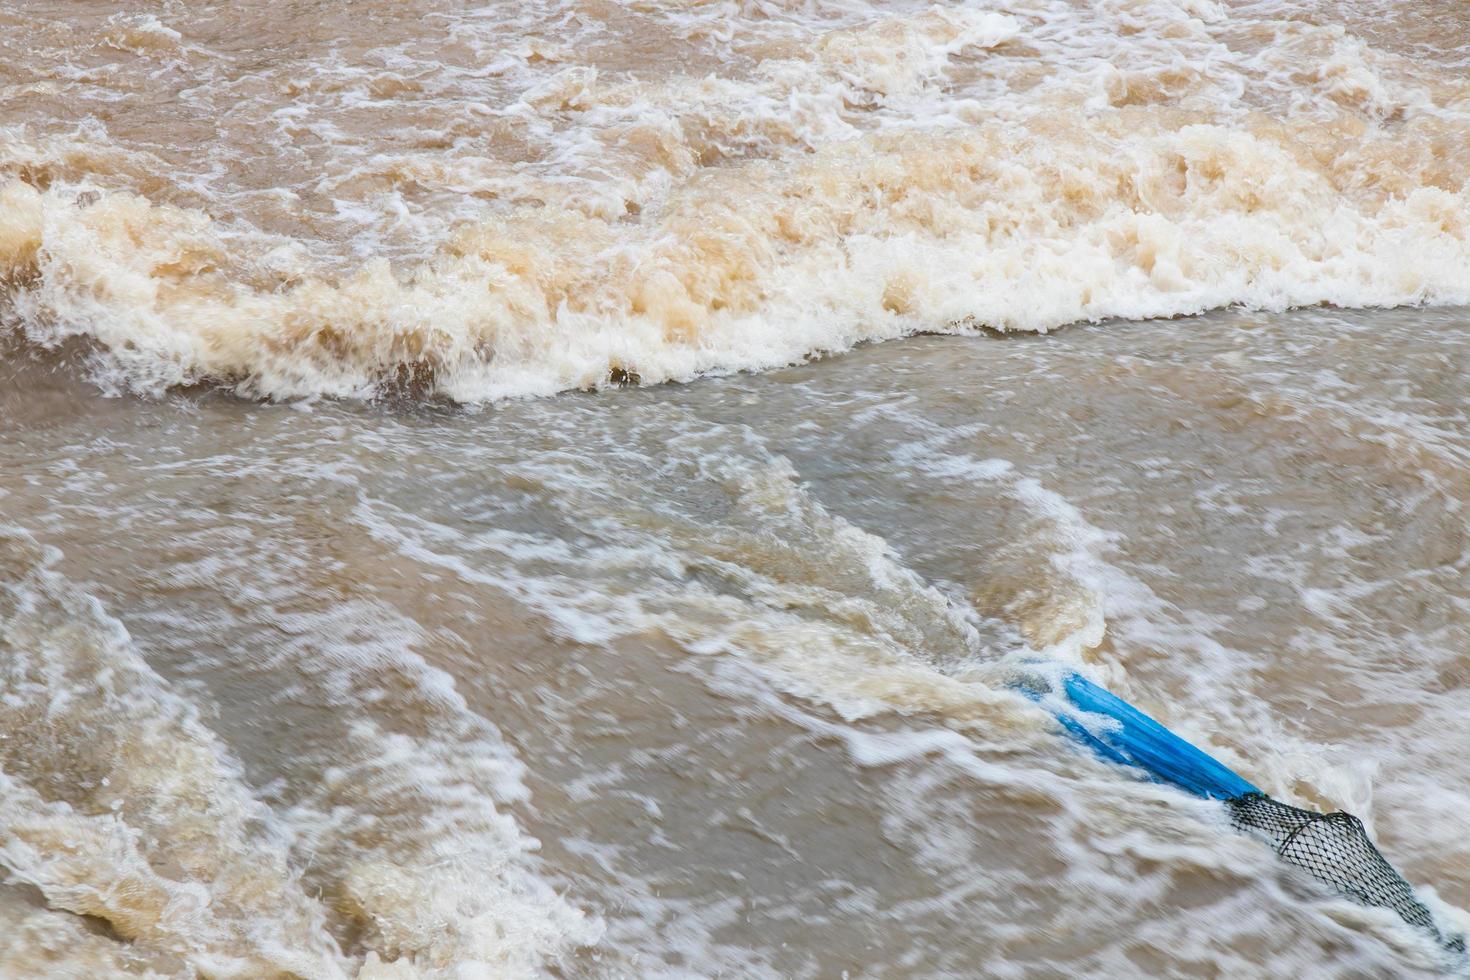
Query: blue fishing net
{"type": "Point", "coordinates": [1333, 848]}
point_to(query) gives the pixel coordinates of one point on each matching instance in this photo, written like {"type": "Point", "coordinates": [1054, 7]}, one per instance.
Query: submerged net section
{"type": "Point", "coordinates": [1335, 849]}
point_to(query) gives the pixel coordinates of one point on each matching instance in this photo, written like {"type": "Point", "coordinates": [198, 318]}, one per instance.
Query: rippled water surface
{"type": "Point", "coordinates": [709, 678]}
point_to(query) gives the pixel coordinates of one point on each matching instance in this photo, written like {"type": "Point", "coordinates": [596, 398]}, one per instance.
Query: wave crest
{"type": "Point", "coordinates": [940, 171]}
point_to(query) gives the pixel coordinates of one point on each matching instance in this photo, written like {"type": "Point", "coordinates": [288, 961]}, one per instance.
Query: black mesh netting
{"type": "Point", "coordinates": [1335, 849]}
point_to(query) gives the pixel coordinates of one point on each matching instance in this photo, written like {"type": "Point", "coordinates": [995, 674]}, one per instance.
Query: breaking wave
{"type": "Point", "coordinates": [515, 203]}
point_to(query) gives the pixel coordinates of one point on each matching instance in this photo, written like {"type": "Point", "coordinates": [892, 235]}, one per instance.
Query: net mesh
{"type": "Point", "coordinates": [1335, 849]}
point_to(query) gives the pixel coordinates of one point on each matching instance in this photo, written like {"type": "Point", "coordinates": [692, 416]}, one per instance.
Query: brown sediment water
{"type": "Point", "coordinates": [358, 617]}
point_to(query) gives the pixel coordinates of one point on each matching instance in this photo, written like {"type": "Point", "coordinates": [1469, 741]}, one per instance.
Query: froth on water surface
{"type": "Point", "coordinates": [297, 199]}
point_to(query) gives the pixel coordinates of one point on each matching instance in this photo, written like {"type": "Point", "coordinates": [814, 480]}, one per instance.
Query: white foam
{"type": "Point", "coordinates": [852, 174]}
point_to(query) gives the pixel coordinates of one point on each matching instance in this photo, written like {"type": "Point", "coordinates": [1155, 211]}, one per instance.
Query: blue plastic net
{"type": "Point", "coordinates": [1334, 848]}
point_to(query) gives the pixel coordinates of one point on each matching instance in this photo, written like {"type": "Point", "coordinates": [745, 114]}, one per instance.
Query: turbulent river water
{"type": "Point", "coordinates": [370, 605]}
